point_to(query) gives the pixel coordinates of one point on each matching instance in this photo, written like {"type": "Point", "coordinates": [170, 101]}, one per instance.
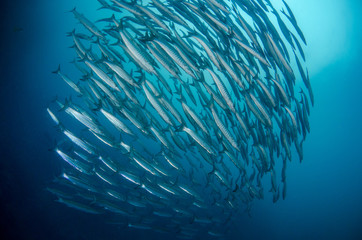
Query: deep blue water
{"type": "Point", "coordinates": [324, 192]}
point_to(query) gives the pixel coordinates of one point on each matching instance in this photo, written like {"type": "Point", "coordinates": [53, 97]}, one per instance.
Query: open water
{"type": "Point", "coordinates": [324, 191]}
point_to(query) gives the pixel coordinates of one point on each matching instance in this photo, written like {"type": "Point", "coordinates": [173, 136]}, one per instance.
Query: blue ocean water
{"type": "Point", "coordinates": [324, 193]}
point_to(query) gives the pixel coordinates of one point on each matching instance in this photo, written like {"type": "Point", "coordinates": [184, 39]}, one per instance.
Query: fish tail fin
{"type": "Point", "coordinates": [172, 26]}
{"type": "Point", "coordinates": [236, 188]}
{"type": "Point", "coordinates": [177, 88]}
{"type": "Point", "coordinates": [253, 125]}
{"type": "Point", "coordinates": [223, 148]}
{"type": "Point", "coordinates": [65, 105]}
{"type": "Point", "coordinates": [102, 19]}
{"type": "Point", "coordinates": [275, 12]}
{"type": "Point", "coordinates": [72, 10]}
{"type": "Point", "coordinates": [210, 103]}
{"type": "Point", "coordinates": [182, 97]}
{"type": "Point", "coordinates": [54, 145]}
{"type": "Point", "coordinates": [149, 36]}
{"type": "Point", "coordinates": [85, 77]}
{"type": "Point", "coordinates": [96, 41]}
{"type": "Point", "coordinates": [141, 78]}
{"type": "Point", "coordinates": [144, 105]}
{"type": "Point", "coordinates": [192, 32]}
{"type": "Point", "coordinates": [89, 50]}
{"type": "Point", "coordinates": [203, 103]}
{"type": "Point", "coordinates": [57, 71]}
{"type": "Point", "coordinates": [60, 127]}
{"type": "Point", "coordinates": [121, 23]}
{"type": "Point", "coordinates": [69, 34]}
{"type": "Point", "coordinates": [205, 64]}
{"type": "Point", "coordinates": [183, 34]}
{"type": "Point", "coordinates": [179, 128]}
{"type": "Point", "coordinates": [82, 58]}
{"type": "Point", "coordinates": [201, 77]}
{"type": "Point", "coordinates": [102, 59]}
{"type": "Point", "coordinates": [54, 99]}
{"type": "Point", "coordinates": [94, 201]}
{"type": "Point", "coordinates": [176, 181]}
{"type": "Point", "coordinates": [98, 106]}
{"type": "Point", "coordinates": [211, 172]}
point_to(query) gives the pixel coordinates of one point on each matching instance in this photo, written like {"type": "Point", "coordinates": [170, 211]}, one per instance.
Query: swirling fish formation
{"type": "Point", "coordinates": [187, 106]}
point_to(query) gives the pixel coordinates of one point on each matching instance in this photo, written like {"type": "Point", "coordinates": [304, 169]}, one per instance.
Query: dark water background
{"type": "Point", "coordinates": [324, 192]}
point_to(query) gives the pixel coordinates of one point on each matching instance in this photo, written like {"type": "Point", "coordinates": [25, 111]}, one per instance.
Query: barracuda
{"type": "Point", "coordinates": [188, 108]}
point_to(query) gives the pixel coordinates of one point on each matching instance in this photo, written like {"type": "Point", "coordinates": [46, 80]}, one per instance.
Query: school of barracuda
{"type": "Point", "coordinates": [184, 108]}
